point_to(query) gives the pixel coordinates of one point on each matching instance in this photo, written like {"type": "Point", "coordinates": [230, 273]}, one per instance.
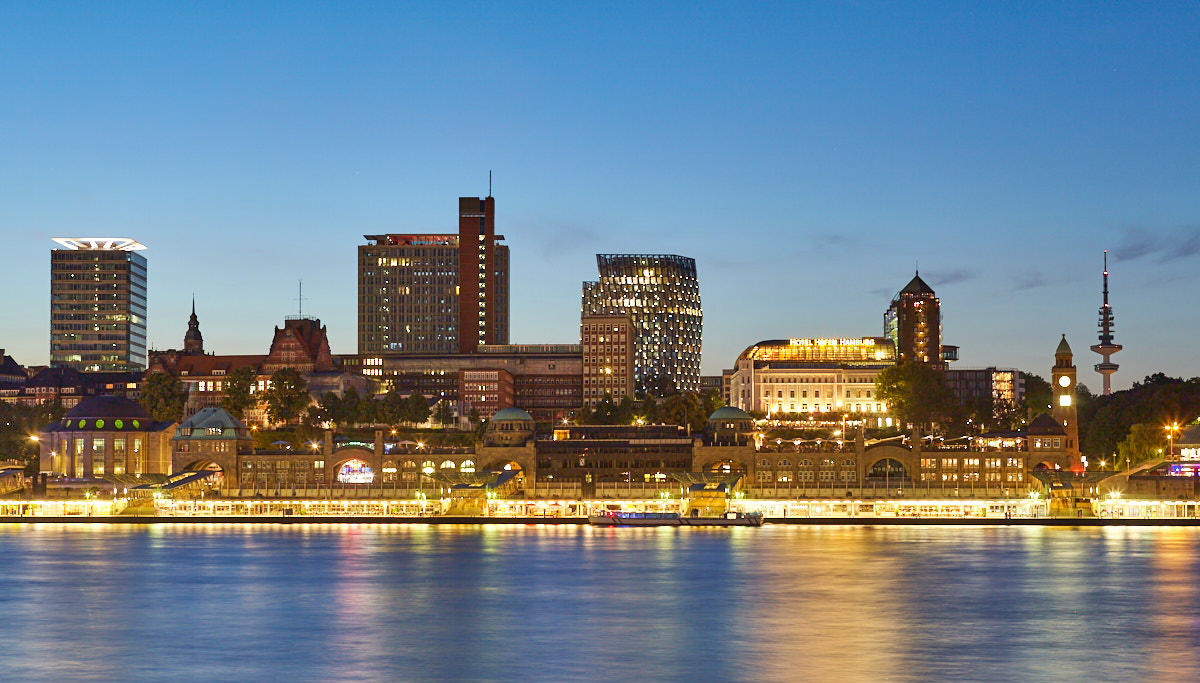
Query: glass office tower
{"type": "Point", "coordinates": [98, 304]}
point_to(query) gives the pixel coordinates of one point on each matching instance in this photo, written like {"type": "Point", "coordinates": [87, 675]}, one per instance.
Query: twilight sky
{"type": "Point", "coordinates": [807, 155]}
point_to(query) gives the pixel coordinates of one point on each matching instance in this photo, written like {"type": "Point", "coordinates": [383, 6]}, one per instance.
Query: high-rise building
{"type": "Point", "coordinates": [608, 349]}
{"type": "Point", "coordinates": [661, 295]}
{"type": "Point", "coordinates": [435, 293]}
{"type": "Point", "coordinates": [98, 304]}
{"type": "Point", "coordinates": [913, 322]}
{"type": "Point", "coordinates": [1106, 348]}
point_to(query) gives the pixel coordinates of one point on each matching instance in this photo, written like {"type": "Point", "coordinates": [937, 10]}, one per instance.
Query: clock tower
{"type": "Point", "coordinates": [1062, 380]}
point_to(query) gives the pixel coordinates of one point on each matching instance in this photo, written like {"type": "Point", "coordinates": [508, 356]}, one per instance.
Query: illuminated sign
{"type": "Point", "coordinates": [356, 472]}
{"type": "Point", "coordinates": [831, 342]}
{"type": "Point", "coordinates": [100, 243]}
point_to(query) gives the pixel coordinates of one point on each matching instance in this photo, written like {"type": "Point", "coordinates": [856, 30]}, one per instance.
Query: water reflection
{"type": "Point", "coordinates": [325, 601]}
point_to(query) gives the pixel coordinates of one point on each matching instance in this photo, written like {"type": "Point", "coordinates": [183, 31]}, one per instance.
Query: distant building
{"type": "Point", "coordinates": [69, 386]}
{"type": "Point", "coordinates": [608, 352]}
{"type": "Point", "coordinates": [103, 440]}
{"type": "Point", "coordinates": [546, 378]}
{"type": "Point", "coordinates": [811, 376]}
{"type": "Point", "coordinates": [98, 304]}
{"type": "Point", "coordinates": [913, 322]}
{"type": "Point", "coordinates": [12, 377]}
{"type": "Point", "coordinates": [661, 295]}
{"type": "Point", "coordinates": [1000, 385]}
{"type": "Point", "coordinates": [302, 344]}
{"type": "Point", "coordinates": [435, 293]}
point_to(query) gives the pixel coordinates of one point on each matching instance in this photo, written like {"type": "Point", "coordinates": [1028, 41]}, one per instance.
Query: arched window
{"type": "Point", "coordinates": [389, 470]}
{"type": "Point", "coordinates": [449, 465]}
{"type": "Point", "coordinates": [764, 463]}
{"type": "Point", "coordinates": [847, 463]}
{"type": "Point", "coordinates": [785, 463]}
{"type": "Point", "coordinates": [467, 466]}
{"type": "Point", "coordinates": [410, 465]}
{"type": "Point", "coordinates": [826, 463]}
{"type": "Point", "coordinates": [806, 463]}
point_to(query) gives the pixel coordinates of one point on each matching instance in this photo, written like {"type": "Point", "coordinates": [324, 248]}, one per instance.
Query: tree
{"type": "Point", "coordinates": [916, 392]}
{"type": "Point", "coordinates": [287, 396]}
{"type": "Point", "coordinates": [1037, 396]}
{"type": "Point", "coordinates": [390, 409]}
{"type": "Point", "coordinates": [685, 410]}
{"type": "Point", "coordinates": [415, 409]}
{"type": "Point", "coordinates": [1143, 443]}
{"type": "Point", "coordinates": [443, 414]}
{"type": "Point", "coordinates": [163, 396]}
{"type": "Point", "coordinates": [238, 396]}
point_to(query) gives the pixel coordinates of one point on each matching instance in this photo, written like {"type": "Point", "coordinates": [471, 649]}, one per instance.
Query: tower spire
{"type": "Point", "coordinates": [1106, 348]}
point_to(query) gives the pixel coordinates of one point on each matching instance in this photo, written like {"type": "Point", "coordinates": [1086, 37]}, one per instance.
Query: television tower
{"type": "Point", "coordinates": [1106, 347]}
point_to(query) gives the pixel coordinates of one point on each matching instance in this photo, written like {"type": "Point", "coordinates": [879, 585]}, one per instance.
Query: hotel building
{"type": "Point", "coordinates": [811, 375]}
{"type": "Point", "coordinates": [660, 294]}
{"type": "Point", "coordinates": [435, 293]}
{"type": "Point", "coordinates": [98, 304]}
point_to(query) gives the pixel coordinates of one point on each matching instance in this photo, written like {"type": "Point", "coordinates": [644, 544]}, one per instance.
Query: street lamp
{"type": "Point", "coordinates": [1171, 429]}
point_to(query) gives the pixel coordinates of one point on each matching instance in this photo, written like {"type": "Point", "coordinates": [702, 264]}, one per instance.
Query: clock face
{"type": "Point", "coordinates": [1064, 381]}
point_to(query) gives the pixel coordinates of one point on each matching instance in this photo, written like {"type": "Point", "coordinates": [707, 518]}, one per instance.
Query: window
{"type": "Point", "coordinates": [763, 476]}
{"type": "Point", "coordinates": [764, 463]}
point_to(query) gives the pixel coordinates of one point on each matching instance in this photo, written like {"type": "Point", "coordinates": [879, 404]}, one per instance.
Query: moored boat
{"type": "Point", "coordinates": [728, 519]}
{"type": "Point", "coordinates": [614, 518]}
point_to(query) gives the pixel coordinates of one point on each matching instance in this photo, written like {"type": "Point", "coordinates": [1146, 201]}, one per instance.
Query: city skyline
{"type": "Point", "coordinates": [808, 159]}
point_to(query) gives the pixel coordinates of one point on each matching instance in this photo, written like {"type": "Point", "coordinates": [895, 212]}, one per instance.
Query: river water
{"type": "Point", "coordinates": [414, 602]}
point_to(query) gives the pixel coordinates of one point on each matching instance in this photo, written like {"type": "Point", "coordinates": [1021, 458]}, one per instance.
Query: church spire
{"type": "Point", "coordinates": [193, 341]}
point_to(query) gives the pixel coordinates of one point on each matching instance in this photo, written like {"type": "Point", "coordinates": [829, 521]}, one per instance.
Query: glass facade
{"type": "Point", "coordinates": [97, 307]}
{"type": "Point", "coordinates": [660, 294]}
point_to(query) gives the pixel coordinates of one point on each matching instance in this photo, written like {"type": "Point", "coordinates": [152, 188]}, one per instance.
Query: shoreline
{"type": "Point", "coordinates": [144, 520]}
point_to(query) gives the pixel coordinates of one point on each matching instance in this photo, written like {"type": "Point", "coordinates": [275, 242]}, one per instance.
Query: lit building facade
{"type": "Point", "coordinates": [98, 304]}
{"type": "Point", "coordinates": [435, 293]}
{"type": "Point", "coordinates": [811, 376]}
{"type": "Point", "coordinates": [608, 353]}
{"type": "Point", "coordinates": [1001, 385]}
{"type": "Point", "coordinates": [546, 378]}
{"type": "Point", "coordinates": [660, 294]}
{"type": "Point", "coordinates": [913, 323]}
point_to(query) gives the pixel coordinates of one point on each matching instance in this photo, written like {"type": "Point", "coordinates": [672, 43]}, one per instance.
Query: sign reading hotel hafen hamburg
{"type": "Point", "coordinates": [831, 342]}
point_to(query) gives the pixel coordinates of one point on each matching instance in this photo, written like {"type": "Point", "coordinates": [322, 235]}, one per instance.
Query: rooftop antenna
{"type": "Point", "coordinates": [300, 300]}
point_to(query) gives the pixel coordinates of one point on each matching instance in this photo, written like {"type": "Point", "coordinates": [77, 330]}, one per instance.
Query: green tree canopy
{"type": "Point", "coordinates": [415, 409]}
{"type": "Point", "coordinates": [287, 396]}
{"type": "Point", "coordinates": [163, 396]}
{"type": "Point", "coordinates": [915, 392]}
{"type": "Point", "coordinates": [443, 414]}
{"type": "Point", "coordinates": [238, 397]}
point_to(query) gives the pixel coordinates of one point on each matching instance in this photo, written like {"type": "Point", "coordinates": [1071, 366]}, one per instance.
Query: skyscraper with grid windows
{"type": "Point", "coordinates": [660, 294]}
{"type": "Point", "coordinates": [98, 304]}
{"type": "Point", "coordinates": [435, 293]}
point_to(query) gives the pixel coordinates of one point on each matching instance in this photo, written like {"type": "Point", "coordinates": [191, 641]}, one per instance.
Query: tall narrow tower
{"type": "Point", "coordinates": [1106, 347]}
{"type": "Point", "coordinates": [1062, 379]}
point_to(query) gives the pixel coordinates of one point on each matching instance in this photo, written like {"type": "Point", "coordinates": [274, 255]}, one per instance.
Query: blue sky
{"type": "Point", "coordinates": [808, 155]}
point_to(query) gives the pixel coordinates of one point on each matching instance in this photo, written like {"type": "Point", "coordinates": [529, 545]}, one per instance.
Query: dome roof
{"type": "Point", "coordinates": [211, 418]}
{"type": "Point", "coordinates": [730, 413]}
{"type": "Point", "coordinates": [108, 413]}
{"type": "Point", "coordinates": [512, 414]}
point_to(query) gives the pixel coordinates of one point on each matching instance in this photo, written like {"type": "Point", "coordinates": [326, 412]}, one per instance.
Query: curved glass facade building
{"type": "Point", "coordinates": [660, 294]}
